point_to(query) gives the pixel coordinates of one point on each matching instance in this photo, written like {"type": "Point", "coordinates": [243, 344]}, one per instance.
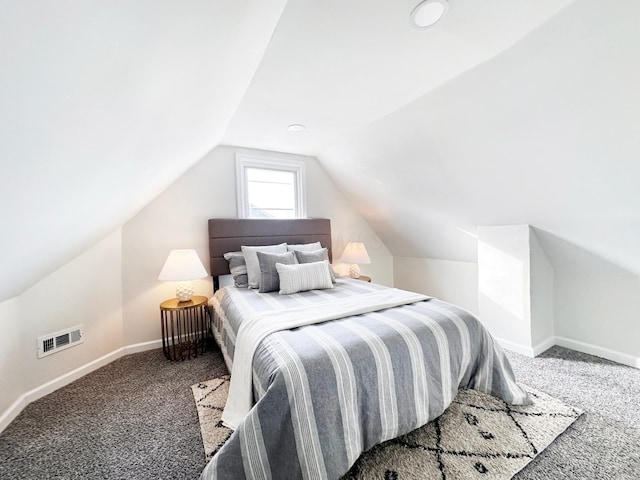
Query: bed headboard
{"type": "Point", "coordinates": [229, 234]}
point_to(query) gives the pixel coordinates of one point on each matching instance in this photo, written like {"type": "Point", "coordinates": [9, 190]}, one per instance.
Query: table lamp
{"type": "Point", "coordinates": [355, 253]}
{"type": "Point", "coordinates": [183, 266]}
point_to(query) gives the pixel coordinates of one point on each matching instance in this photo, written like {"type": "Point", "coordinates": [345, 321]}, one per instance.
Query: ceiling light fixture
{"type": "Point", "coordinates": [428, 12]}
{"type": "Point", "coordinates": [296, 127]}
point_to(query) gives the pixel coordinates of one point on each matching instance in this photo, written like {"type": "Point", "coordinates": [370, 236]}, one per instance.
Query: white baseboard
{"type": "Point", "coordinates": [602, 352]}
{"type": "Point", "coordinates": [142, 347]}
{"type": "Point", "coordinates": [544, 346]}
{"type": "Point", "coordinates": [583, 347]}
{"type": "Point", "coordinates": [12, 412]}
{"type": "Point", "coordinates": [516, 347]}
{"type": "Point", "coordinates": [526, 350]}
{"type": "Point", "coordinates": [32, 395]}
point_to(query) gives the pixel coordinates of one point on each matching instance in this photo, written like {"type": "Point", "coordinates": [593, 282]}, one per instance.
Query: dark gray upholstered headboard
{"type": "Point", "coordinates": [229, 234]}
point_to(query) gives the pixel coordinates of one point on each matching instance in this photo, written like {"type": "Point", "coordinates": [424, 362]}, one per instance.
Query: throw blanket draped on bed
{"type": "Point", "coordinates": [329, 391]}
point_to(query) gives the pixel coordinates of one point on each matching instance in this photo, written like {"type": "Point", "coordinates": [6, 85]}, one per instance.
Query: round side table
{"type": "Point", "coordinates": [185, 331]}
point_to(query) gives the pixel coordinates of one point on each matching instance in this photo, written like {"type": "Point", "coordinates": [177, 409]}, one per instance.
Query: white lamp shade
{"type": "Point", "coordinates": [355, 252]}
{"type": "Point", "coordinates": [182, 265]}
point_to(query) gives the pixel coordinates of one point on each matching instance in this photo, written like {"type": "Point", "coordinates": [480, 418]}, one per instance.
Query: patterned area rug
{"type": "Point", "coordinates": [477, 437]}
{"type": "Point", "coordinates": [210, 397]}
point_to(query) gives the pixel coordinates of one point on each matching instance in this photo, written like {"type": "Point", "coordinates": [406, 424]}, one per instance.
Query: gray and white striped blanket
{"type": "Point", "coordinates": [324, 393]}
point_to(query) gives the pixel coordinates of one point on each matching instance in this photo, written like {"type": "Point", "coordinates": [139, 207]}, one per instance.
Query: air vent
{"type": "Point", "coordinates": [54, 342]}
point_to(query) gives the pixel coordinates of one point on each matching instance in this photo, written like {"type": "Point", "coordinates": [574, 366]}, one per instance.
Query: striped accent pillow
{"type": "Point", "coordinates": [238, 268]}
{"type": "Point", "coordinates": [303, 277]}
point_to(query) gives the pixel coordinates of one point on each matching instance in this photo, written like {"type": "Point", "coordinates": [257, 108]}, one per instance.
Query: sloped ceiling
{"type": "Point", "coordinates": [505, 113]}
{"type": "Point", "coordinates": [544, 134]}
{"type": "Point", "coordinates": [337, 66]}
{"type": "Point", "coordinates": [102, 105]}
{"type": "Point", "coordinates": [509, 111]}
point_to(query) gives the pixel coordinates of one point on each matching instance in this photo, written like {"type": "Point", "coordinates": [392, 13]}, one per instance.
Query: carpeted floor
{"type": "Point", "coordinates": [136, 418]}
{"type": "Point", "coordinates": [132, 419]}
{"type": "Point", "coordinates": [604, 443]}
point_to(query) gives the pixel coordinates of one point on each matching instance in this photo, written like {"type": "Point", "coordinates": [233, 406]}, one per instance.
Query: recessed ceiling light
{"type": "Point", "coordinates": [296, 127]}
{"type": "Point", "coordinates": [428, 12]}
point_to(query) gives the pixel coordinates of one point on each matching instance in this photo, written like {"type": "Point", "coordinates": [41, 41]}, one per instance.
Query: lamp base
{"type": "Point", "coordinates": [354, 271]}
{"type": "Point", "coordinates": [184, 291]}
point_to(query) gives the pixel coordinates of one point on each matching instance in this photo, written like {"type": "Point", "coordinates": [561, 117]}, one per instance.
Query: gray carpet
{"type": "Point", "coordinates": [605, 442]}
{"type": "Point", "coordinates": [136, 418]}
{"type": "Point", "coordinates": [132, 419]}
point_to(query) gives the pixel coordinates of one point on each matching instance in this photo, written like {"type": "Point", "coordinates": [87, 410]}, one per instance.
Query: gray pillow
{"type": "Point", "coordinates": [315, 256]}
{"type": "Point", "coordinates": [253, 268]}
{"type": "Point", "coordinates": [238, 268]}
{"type": "Point", "coordinates": [269, 278]}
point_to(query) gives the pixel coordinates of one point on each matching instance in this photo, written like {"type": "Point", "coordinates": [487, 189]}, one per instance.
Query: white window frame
{"type": "Point", "coordinates": [244, 161]}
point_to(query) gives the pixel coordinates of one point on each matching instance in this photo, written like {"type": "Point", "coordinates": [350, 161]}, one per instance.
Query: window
{"type": "Point", "coordinates": [269, 188]}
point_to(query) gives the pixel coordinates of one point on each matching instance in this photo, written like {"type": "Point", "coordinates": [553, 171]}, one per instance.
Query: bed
{"type": "Point", "coordinates": [320, 376]}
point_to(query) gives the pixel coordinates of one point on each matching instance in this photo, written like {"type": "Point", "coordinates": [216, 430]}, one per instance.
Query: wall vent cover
{"type": "Point", "coordinates": [55, 342]}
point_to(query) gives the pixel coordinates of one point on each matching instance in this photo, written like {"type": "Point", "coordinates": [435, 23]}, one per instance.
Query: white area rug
{"type": "Point", "coordinates": [477, 437]}
{"type": "Point", "coordinates": [210, 397]}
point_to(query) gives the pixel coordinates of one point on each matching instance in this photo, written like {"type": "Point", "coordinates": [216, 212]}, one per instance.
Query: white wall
{"type": "Point", "coordinates": [503, 282]}
{"type": "Point", "coordinates": [178, 219]}
{"type": "Point", "coordinates": [86, 291]}
{"type": "Point", "coordinates": [11, 367]}
{"type": "Point", "coordinates": [594, 310]}
{"type": "Point", "coordinates": [515, 288]}
{"type": "Point", "coordinates": [453, 282]}
{"type": "Point", "coordinates": [542, 279]}
{"type": "Point", "coordinates": [599, 314]}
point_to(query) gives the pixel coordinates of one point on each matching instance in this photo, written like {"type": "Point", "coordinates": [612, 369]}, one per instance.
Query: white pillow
{"type": "Point", "coordinates": [304, 247]}
{"type": "Point", "coordinates": [251, 259]}
{"type": "Point", "coordinates": [302, 277]}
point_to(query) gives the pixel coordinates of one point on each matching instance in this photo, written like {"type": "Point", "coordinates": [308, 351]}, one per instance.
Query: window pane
{"type": "Point", "coordinates": [270, 188]}
{"type": "Point", "coordinates": [271, 193]}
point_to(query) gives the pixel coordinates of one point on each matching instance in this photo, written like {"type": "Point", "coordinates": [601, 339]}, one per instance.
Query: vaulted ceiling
{"type": "Point", "coordinates": [338, 66]}
{"type": "Point", "coordinates": [509, 111]}
{"type": "Point", "coordinates": [103, 105]}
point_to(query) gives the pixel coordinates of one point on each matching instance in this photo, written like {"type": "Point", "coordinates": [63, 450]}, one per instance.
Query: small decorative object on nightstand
{"type": "Point", "coordinates": [355, 253]}
{"type": "Point", "coordinates": [185, 331]}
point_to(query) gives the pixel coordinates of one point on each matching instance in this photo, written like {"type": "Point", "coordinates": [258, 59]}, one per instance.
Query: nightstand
{"type": "Point", "coordinates": [185, 331]}
{"type": "Point", "coordinates": [364, 278]}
